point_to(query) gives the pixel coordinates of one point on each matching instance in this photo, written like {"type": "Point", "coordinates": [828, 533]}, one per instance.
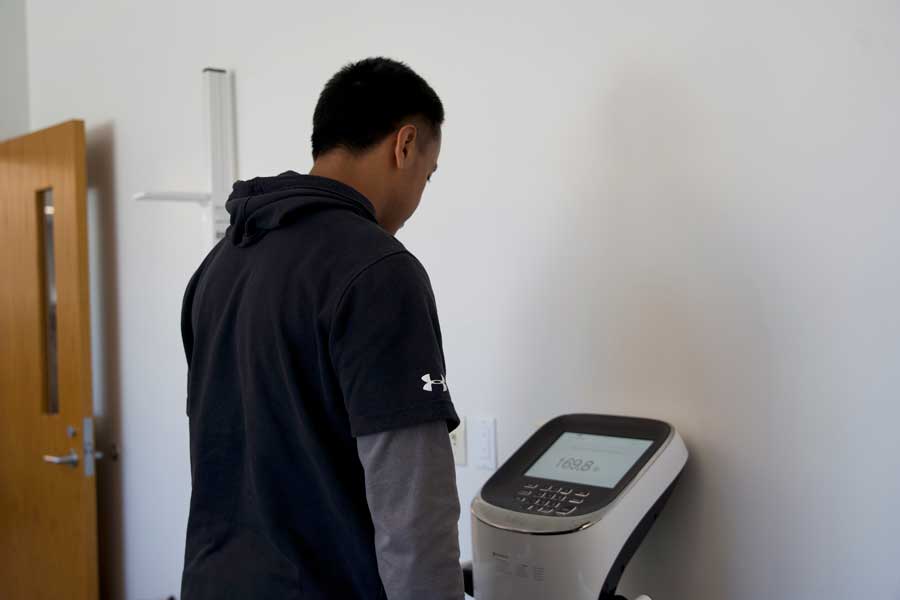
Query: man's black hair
{"type": "Point", "coordinates": [366, 100]}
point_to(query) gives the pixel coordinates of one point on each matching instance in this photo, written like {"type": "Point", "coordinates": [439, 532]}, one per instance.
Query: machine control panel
{"type": "Point", "coordinates": [575, 465]}
{"type": "Point", "coordinates": [561, 500]}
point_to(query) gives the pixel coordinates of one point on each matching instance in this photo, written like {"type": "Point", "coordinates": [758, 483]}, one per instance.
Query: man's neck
{"type": "Point", "coordinates": [356, 172]}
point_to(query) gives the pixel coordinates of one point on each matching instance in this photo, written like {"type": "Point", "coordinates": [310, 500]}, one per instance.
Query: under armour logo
{"type": "Point", "coordinates": [430, 383]}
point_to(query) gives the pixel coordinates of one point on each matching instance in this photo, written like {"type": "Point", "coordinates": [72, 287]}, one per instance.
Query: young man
{"type": "Point", "coordinates": [317, 394]}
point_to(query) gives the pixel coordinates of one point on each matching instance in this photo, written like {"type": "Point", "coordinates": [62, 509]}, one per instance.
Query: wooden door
{"type": "Point", "coordinates": [48, 510]}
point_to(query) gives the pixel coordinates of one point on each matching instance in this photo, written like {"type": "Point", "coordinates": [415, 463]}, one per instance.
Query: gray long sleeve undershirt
{"type": "Point", "coordinates": [411, 491]}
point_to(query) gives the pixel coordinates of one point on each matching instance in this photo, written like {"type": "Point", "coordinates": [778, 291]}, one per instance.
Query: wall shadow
{"type": "Point", "coordinates": [105, 316]}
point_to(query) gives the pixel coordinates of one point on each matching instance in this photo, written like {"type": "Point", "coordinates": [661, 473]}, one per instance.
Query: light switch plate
{"type": "Point", "coordinates": [458, 443]}
{"type": "Point", "coordinates": [484, 440]}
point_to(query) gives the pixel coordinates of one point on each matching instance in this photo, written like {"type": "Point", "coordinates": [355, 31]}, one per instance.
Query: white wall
{"type": "Point", "coordinates": [13, 70]}
{"type": "Point", "coordinates": [684, 210]}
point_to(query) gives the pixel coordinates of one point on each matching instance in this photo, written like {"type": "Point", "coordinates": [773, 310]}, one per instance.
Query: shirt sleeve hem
{"type": "Point", "coordinates": [441, 410]}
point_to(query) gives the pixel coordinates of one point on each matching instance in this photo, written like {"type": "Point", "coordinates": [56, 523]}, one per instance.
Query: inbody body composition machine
{"type": "Point", "coordinates": [562, 517]}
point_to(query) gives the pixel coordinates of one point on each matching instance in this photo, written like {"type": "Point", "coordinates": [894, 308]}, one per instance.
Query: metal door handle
{"type": "Point", "coordinates": [90, 455]}
{"type": "Point", "coordinates": [67, 459]}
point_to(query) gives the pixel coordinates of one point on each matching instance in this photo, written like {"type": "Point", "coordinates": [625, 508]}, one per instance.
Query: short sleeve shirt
{"type": "Point", "coordinates": [386, 348]}
{"type": "Point", "coordinates": [307, 326]}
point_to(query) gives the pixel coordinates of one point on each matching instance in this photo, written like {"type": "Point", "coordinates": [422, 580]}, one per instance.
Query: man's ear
{"type": "Point", "coordinates": [404, 144]}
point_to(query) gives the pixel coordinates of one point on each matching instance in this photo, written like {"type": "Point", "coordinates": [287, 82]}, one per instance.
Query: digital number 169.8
{"type": "Point", "coordinates": [574, 464]}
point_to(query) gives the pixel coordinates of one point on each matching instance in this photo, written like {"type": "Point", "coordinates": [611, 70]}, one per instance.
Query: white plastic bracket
{"type": "Point", "coordinates": [219, 130]}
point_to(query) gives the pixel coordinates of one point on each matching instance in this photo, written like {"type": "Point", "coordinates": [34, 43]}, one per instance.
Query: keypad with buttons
{"type": "Point", "coordinates": [548, 499]}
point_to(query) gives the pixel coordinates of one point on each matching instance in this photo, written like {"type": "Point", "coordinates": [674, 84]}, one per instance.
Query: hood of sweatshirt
{"type": "Point", "coordinates": [262, 204]}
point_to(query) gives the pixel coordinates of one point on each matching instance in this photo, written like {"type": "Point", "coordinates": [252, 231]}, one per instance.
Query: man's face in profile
{"type": "Point", "coordinates": [423, 163]}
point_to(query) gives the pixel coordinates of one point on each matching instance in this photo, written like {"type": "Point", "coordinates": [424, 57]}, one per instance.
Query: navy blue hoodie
{"type": "Point", "coordinates": [306, 326]}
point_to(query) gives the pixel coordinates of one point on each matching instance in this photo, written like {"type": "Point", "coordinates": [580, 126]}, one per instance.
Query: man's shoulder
{"type": "Point", "coordinates": [363, 243]}
{"type": "Point", "coordinates": [340, 248]}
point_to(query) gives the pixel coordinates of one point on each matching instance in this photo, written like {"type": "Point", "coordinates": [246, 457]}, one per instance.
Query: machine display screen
{"type": "Point", "coordinates": [589, 459]}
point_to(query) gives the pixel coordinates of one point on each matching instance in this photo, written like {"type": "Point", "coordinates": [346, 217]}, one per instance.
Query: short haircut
{"type": "Point", "coordinates": [366, 100]}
